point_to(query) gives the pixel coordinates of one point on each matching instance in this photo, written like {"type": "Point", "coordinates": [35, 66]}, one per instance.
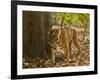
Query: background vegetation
{"type": "Point", "coordinates": [74, 19]}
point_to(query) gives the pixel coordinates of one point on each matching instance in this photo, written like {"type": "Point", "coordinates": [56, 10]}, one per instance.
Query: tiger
{"type": "Point", "coordinates": [60, 40]}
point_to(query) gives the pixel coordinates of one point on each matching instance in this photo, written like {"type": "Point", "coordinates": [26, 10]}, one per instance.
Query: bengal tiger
{"type": "Point", "coordinates": [60, 40]}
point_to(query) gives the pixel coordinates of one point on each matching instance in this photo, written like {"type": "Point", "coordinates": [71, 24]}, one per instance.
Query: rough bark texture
{"type": "Point", "coordinates": [35, 25]}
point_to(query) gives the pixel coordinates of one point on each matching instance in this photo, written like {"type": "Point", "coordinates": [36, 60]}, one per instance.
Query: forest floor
{"type": "Point", "coordinates": [74, 60]}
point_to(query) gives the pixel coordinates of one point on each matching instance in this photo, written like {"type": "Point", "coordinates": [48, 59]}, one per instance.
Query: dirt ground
{"type": "Point", "coordinates": [74, 60]}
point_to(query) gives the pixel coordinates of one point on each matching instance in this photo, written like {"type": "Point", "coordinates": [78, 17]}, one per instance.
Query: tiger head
{"type": "Point", "coordinates": [53, 35]}
{"type": "Point", "coordinates": [55, 42]}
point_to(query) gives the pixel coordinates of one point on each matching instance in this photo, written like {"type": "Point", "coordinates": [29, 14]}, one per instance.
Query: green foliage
{"type": "Point", "coordinates": [74, 19]}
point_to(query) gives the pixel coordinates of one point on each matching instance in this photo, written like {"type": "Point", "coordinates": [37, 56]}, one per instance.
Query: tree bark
{"type": "Point", "coordinates": [35, 25]}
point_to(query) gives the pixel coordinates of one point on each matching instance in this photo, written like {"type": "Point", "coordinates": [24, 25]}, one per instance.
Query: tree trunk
{"type": "Point", "coordinates": [35, 25]}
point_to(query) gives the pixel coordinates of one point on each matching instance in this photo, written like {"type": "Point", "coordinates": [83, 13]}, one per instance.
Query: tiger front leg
{"type": "Point", "coordinates": [53, 57]}
{"type": "Point", "coordinates": [66, 52]}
